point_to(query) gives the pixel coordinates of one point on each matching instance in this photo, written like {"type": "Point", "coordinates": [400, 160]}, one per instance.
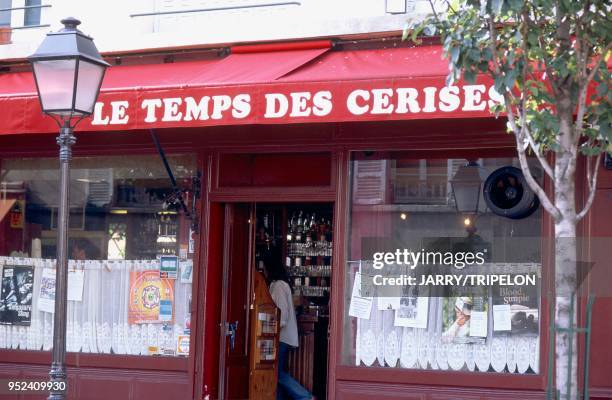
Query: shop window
{"type": "Point", "coordinates": [461, 216]}
{"type": "Point", "coordinates": [131, 255]}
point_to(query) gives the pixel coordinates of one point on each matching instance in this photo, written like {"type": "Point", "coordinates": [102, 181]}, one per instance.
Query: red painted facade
{"type": "Point", "coordinates": [242, 161]}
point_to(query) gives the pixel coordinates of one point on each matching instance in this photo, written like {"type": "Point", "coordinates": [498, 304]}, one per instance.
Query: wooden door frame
{"type": "Point", "coordinates": [224, 292]}
{"type": "Point", "coordinates": [225, 289]}
{"type": "Point", "coordinates": [228, 219]}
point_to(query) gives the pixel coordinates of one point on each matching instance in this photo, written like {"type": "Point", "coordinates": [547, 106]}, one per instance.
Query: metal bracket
{"type": "Point", "coordinates": [196, 184]}
{"type": "Point", "coordinates": [176, 198]}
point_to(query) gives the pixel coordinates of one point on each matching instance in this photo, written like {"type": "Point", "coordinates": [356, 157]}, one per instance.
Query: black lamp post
{"type": "Point", "coordinates": [68, 71]}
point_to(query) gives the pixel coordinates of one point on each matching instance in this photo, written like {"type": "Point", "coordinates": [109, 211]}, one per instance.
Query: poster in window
{"type": "Point", "coordinates": [464, 316]}
{"type": "Point", "coordinates": [16, 295]}
{"type": "Point", "coordinates": [46, 297]}
{"type": "Point", "coordinates": [413, 310]}
{"type": "Point", "coordinates": [168, 267]}
{"type": "Point", "coordinates": [186, 271]}
{"type": "Point", "coordinates": [148, 292]}
{"type": "Point", "coordinates": [515, 310]}
{"type": "Point", "coordinates": [182, 346]}
{"type": "Point", "coordinates": [360, 306]}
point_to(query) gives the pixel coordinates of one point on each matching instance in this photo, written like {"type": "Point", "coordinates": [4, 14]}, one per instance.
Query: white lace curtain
{"type": "Point", "coordinates": [378, 342]}
{"type": "Point", "coordinates": [98, 323]}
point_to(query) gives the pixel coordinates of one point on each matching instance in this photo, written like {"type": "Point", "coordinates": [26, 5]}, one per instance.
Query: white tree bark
{"type": "Point", "coordinates": [565, 278]}
{"type": "Point", "coordinates": [565, 260]}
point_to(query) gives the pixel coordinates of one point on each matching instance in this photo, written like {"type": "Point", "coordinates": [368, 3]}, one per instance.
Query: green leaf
{"type": "Point", "coordinates": [474, 55]}
{"type": "Point", "coordinates": [532, 38]}
{"type": "Point", "coordinates": [470, 76]}
{"type": "Point", "coordinates": [602, 89]}
{"type": "Point", "coordinates": [454, 53]}
{"type": "Point", "coordinates": [510, 78]}
{"type": "Point", "coordinates": [499, 85]}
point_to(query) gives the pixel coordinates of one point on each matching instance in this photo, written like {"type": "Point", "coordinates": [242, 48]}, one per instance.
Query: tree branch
{"type": "Point", "coordinates": [536, 149]}
{"type": "Point", "coordinates": [581, 51]}
{"type": "Point", "coordinates": [531, 182]}
{"type": "Point", "coordinates": [592, 182]}
{"type": "Point", "coordinates": [547, 60]}
{"type": "Point", "coordinates": [496, 69]}
{"type": "Point", "coordinates": [450, 6]}
{"type": "Point", "coordinates": [523, 111]}
{"type": "Point", "coordinates": [433, 9]}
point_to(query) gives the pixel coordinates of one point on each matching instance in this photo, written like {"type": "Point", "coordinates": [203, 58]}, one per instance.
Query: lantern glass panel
{"type": "Point", "coordinates": [467, 196]}
{"type": "Point", "coordinates": [89, 79]}
{"type": "Point", "coordinates": [55, 80]}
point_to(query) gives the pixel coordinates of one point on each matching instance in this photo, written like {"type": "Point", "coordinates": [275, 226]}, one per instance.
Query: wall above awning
{"type": "Point", "coordinates": [264, 86]}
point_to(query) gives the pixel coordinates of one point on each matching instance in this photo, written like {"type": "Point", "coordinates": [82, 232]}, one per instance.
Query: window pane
{"type": "Point", "coordinates": [32, 15]}
{"type": "Point", "coordinates": [5, 16]}
{"type": "Point", "coordinates": [405, 227]}
{"type": "Point", "coordinates": [131, 257]}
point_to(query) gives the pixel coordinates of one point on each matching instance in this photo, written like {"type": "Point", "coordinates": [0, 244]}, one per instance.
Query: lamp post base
{"type": "Point", "coordinates": [57, 374]}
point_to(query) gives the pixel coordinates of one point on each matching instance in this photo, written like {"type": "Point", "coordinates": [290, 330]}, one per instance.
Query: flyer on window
{"type": "Point", "coordinates": [465, 316]}
{"type": "Point", "coordinates": [413, 311]}
{"type": "Point", "coordinates": [360, 306]}
{"type": "Point", "coordinates": [515, 310]}
{"type": "Point", "coordinates": [168, 267]}
{"type": "Point", "coordinates": [182, 346]}
{"type": "Point", "coordinates": [46, 298]}
{"type": "Point", "coordinates": [16, 295]}
{"type": "Point", "coordinates": [186, 271]}
{"type": "Point", "coordinates": [148, 295]}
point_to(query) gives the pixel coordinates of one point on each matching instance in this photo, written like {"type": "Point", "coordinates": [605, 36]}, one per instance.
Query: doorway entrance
{"type": "Point", "coordinates": [298, 236]}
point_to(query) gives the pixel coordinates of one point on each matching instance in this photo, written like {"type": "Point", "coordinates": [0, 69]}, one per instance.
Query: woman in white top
{"type": "Point", "coordinates": [281, 294]}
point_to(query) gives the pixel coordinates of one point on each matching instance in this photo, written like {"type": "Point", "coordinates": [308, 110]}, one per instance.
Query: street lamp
{"type": "Point", "coordinates": [467, 186]}
{"type": "Point", "coordinates": [68, 71]}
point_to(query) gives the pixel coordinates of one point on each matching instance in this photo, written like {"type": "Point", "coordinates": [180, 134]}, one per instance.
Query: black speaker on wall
{"type": "Point", "coordinates": [507, 194]}
{"type": "Point", "coordinates": [608, 161]}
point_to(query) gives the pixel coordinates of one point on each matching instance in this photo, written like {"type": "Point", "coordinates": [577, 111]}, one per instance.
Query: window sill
{"type": "Point", "coordinates": [30, 27]}
{"type": "Point", "coordinates": [98, 360]}
{"type": "Point", "coordinates": [437, 377]}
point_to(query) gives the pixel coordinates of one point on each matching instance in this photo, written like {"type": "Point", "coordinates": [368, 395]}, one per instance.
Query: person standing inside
{"type": "Point", "coordinates": [281, 294]}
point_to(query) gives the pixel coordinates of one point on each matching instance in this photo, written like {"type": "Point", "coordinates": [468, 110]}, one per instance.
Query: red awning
{"type": "Point", "coordinates": [263, 85]}
{"type": "Point", "coordinates": [403, 62]}
{"type": "Point", "coordinates": [235, 69]}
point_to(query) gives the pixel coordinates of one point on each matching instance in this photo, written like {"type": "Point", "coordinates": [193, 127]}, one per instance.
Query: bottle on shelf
{"type": "Point", "coordinates": [313, 224]}
{"type": "Point", "coordinates": [298, 228]}
{"type": "Point", "coordinates": [290, 229]}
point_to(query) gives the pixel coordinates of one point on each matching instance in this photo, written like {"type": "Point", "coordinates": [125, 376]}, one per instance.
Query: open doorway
{"type": "Point", "coordinates": [299, 237]}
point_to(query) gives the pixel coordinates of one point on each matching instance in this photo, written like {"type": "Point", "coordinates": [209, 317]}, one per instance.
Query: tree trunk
{"type": "Point", "coordinates": [565, 276]}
